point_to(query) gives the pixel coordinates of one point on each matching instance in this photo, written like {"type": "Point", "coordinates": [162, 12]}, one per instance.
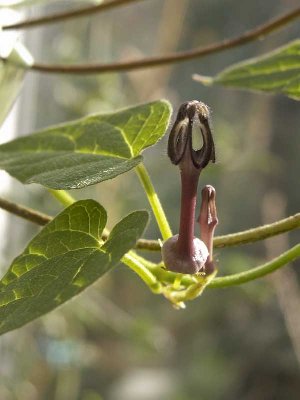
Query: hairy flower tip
{"type": "Point", "coordinates": [190, 130]}
{"type": "Point", "coordinates": [178, 261]}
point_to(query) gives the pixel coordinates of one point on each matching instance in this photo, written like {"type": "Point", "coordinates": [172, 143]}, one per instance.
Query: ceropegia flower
{"type": "Point", "coordinates": [191, 147]}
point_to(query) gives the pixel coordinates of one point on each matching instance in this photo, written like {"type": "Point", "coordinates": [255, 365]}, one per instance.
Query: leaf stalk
{"type": "Point", "coordinates": [154, 201]}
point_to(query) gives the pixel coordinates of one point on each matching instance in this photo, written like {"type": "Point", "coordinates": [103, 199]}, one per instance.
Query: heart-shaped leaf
{"type": "Point", "coordinates": [86, 151]}
{"type": "Point", "coordinates": [66, 257]}
{"type": "Point", "coordinates": [275, 72]}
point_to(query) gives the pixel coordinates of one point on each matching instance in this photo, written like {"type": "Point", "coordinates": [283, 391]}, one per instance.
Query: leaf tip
{"type": "Point", "coordinates": [205, 80]}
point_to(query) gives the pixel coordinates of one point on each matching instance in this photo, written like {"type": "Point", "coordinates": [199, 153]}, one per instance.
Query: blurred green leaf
{"type": "Point", "coordinates": [86, 151]}
{"type": "Point", "coordinates": [275, 72]}
{"type": "Point", "coordinates": [15, 58]}
{"type": "Point", "coordinates": [65, 258]}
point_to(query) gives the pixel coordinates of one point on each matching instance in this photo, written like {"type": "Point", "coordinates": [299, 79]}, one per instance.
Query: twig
{"type": "Point", "coordinates": [57, 17]}
{"type": "Point", "coordinates": [249, 236]}
{"type": "Point", "coordinates": [258, 32]}
{"type": "Point", "coordinates": [25, 212]}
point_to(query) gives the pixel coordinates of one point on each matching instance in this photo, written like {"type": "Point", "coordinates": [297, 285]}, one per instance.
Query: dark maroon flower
{"type": "Point", "coordinates": [191, 147]}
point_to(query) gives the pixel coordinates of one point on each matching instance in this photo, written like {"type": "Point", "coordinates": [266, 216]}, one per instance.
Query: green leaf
{"type": "Point", "coordinates": [275, 72]}
{"type": "Point", "coordinates": [12, 71]}
{"type": "Point", "coordinates": [86, 151]}
{"type": "Point", "coordinates": [66, 257]}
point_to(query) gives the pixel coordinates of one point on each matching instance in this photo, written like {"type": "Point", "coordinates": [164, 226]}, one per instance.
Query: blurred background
{"type": "Point", "coordinates": [118, 341]}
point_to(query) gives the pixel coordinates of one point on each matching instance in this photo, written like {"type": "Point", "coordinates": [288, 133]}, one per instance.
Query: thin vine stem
{"type": "Point", "coordinates": [148, 264]}
{"type": "Point", "coordinates": [239, 238]}
{"type": "Point", "coordinates": [234, 239]}
{"type": "Point", "coordinates": [258, 272]}
{"type": "Point", "coordinates": [154, 201]}
{"type": "Point", "coordinates": [258, 233]}
{"type": "Point", "coordinates": [58, 17]}
{"type": "Point", "coordinates": [149, 62]}
{"type": "Point", "coordinates": [235, 279]}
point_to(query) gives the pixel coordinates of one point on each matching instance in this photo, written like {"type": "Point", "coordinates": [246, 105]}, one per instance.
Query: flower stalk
{"type": "Point", "coordinates": [189, 184]}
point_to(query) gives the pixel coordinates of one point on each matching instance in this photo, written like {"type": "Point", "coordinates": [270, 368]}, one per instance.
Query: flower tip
{"type": "Point", "coordinates": [209, 193]}
{"type": "Point", "coordinates": [192, 123]}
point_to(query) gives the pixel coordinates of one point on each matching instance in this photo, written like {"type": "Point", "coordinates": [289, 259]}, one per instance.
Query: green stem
{"type": "Point", "coordinates": [148, 264]}
{"type": "Point", "coordinates": [259, 233]}
{"type": "Point", "coordinates": [153, 199]}
{"type": "Point", "coordinates": [251, 235]}
{"type": "Point", "coordinates": [233, 239]}
{"type": "Point", "coordinates": [234, 279]}
{"type": "Point", "coordinates": [63, 197]}
{"type": "Point", "coordinates": [258, 272]}
{"type": "Point", "coordinates": [239, 238]}
{"type": "Point", "coordinates": [142, 272]}
{"type": "Point", "coordinates": [170, 277]}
